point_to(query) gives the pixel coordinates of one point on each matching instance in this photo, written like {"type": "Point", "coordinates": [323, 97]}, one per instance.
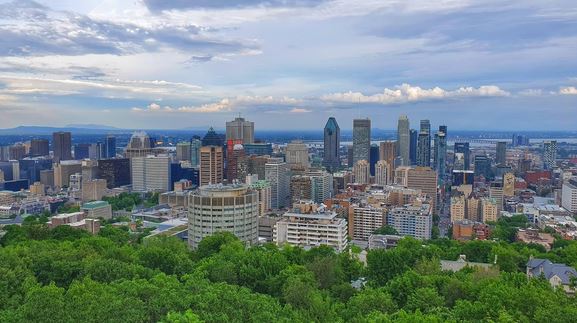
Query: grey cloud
{"type": "Point", "coordinates": [160, 5]}
{"type": "Point", "coordinates": [29, 29]}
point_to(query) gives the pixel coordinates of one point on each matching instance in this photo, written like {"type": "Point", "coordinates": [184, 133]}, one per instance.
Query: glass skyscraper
{"type": "Point", "coordinates": [361, 140]}
{"type": "Point", "coordinates": [332, 138]}
{"type": "Point", "coordinates": [403, 139]}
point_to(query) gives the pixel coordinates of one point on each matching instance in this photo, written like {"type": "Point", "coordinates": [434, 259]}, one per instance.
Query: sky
{"type": "Point", "coordinates": [289, 64]}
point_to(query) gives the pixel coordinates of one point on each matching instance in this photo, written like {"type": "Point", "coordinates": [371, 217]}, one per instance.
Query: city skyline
{"type": "Point", "coordinates": [288, 64]}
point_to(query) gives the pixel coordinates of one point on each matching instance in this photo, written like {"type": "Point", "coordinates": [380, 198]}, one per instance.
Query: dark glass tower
{"type": "Point", "coordinates": [413, 141]}
{"type": "Point", "coordinates": [62, 146]}
{"type": "Point", "coordinates": [332, 144]}
{"type": "Point", "coordinates": [462, 160]}
{"type": "Point", "coordinates": [110, 147]}
{"type": "Point", "coordinates": [213, 139]}
{"type": "Point", "coordinates": [424, 146]}
{"type": "Point", "coordinates": [440, 152]}
{"type": "Point", "coordinates": [361, 140]}
{"type": "Point", "coordinates": [501, 153]}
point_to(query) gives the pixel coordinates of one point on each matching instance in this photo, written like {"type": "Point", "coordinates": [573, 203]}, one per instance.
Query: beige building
{"type": "Point", "coordinates": [364, 220]}
{"type": "Point", "coordinates": [508, 185]}
{"type": "Point", "coordinates": [264, 195]}
{"type": "Point", "coordinates": [216, 208]}
{"type": "Point", "coordinates": [388, 152]}
{"type": "Point", "coordinates": [63, 170]}
{"type": "Point", "coordinates": [361, 172]}
{"type": "Point", "coordinates": [240, 129]}
{"type": "Point", "coordinates": [297, 154]}
{"type": "Point", "coordinates": [382, 172]}
{"type": "Point", "coordinates": [97, 210]}
{"type": "Point", "coordinates": [301, 188]}
{"type": "Point", "coordinates": [38, 189]}
{"type": "Point", "coordinates": [425, 180]}
{"type": "Point", "coordinates": [211, 165]}
{"type": "Point", "coordinates": [93, 190]}
{"type": "Point", "coordinates": [458, 208]}
{"type": "Point", "coordinates": [489, 210]}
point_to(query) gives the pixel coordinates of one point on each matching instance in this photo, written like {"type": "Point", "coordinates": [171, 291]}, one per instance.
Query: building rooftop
{"type": "Point", "coordinates": [549, 269]}
{"type": "Point", "coordinates": [94, 205]}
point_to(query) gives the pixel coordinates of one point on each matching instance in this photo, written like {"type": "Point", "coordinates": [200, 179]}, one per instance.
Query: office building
{"type": "Point", "coordinates": [440, 152]}
{"type": "Point", "coordinates": [277, 173]}
{"type": "Point", "coordinates": [301, 188]}
{"type": "Point", "coordinates": [309, 226]}
{"type": "Point", "coordinates": [150, 173]}
{"type": "Point", "coordinates": [332, 144]}
{"type": "Point", "coordinates": [496, 192]}
{"type": "Point", "coordinates": [424, 144]}
{"type": "Point", "coordinates": [264, 195]}
{"type": "Point", "coordinates": [109, 147]}
{"type": "Point", "coordinates": [258, 149]}
{"type": "Point", "coordinates": [211, 165]}
{"type": "Point", "coordinates": [549, 154]}
{"type": "Point", "coordinates": [569, 195]}
{"type": "Point", "coordinates": [93, 190]}
{"type": "Point", "coordinates": [520, 140]}
{"type": "Point", "coordinates": [424, 179]}
{"type": "Point", "coordinates": [218, 208]}
{"type": "Point", "coordinates": [297, 155]}
{"type": "Point", "coordinates": [413, 147]}
{"type": "Point", "coordinates": [361, 172]}
{"type": "Point", "coordinates": [62, 146]}
{"type": "Point", "coordinates": [361, 140]}
{"type": "Point", "coordinates": [184, 151]}
{"type": "Point", "coordinates": [140, 145]}
{"type": "Point", "coordinates": [501, 153]}
{"type": "Point", "coordinates": [412, 220]}
{"type": "Point", "coordinates": [508, 184]}
{"type": "Point", "coordinates": [39, 147]}
{"type": "Point", "coordinates": [382, 171]}
{"type": "Point", "coordinates": [463, 177]}
{"type": "Point", "coordinates": [482, 166]}
{"type": "Point", "coordinates": [403, 140]}
{"type": "Point", "coordinates": [387, 152]}
{"type": "Point", "coordinates": [116, 172]}
{"type": "Point", "coordinates": [363, 221]}
{"type": "Point", "coordinates": [240, 129]}
{"type": "Point", "coordinates": [236, 163]}
{"type": "Point", "coordinates": [322, 185]}
{"type": "Point", "coordinates": [81, 151]}
{"type": "Point", "coordinates": [63, 170]}
{"type": "Point", "coordinates": [462, 156]}
{"type": "Point", "coordinates": [213, 139]}
{"type": "Point", "coordinates": [195, 145]}
{"type": "Point", "coordinates": [374, 158]}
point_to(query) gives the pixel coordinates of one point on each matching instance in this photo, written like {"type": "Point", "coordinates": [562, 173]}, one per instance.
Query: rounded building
{"type": "Point", "coordinates": [217, 208]}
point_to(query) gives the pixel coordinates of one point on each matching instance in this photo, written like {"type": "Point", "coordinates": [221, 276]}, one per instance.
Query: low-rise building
{"type": "Point", "coordinates": [97, 209]}
{"type": "Point", "coordinates": [75, 220]}
{"type": "Point", "coordinates": [534, 236]}
{"type": "Point", "coordinates": [558, 275]}
{"type": "Point", "coordinates": [383, 241]}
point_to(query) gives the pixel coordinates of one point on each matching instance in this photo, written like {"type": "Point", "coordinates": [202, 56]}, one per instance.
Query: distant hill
{"type": "Point", "coordinates": [91, 126]}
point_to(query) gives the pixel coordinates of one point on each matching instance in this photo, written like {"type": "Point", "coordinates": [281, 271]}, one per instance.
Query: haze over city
{"type": "Point", "coordinates": [151, 64]}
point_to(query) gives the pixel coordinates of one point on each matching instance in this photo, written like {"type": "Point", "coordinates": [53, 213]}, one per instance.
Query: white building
{"type": "Point", "coordinates": [216, 208]}
{"type": "Point", "coordinates": [150, 173]}
{"type": "Point", "coordinates": [277, 174]}
{"type": "Point", "coordinates": [569, 195]}
{"type": "Point", "coordinates": [297, 154]}
{"type": "Point", "coordinates": [412, 220]}
{"type": "Point", "coordinates": [382, 172]}
{"type": "Point", "coordinates": [307, 230]}
{"type": "Point", "coordinates": [322, 186]}
{"type": "Point", "coordinates": [361, 171]}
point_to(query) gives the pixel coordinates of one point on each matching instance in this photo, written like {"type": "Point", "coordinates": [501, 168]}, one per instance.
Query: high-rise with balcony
{"type": "Point", "coordinates": [332, 143]}
{"type": "Point", "coordinates": [361, 140]}
{"type": "Point", "coordinates": [211, 165]}
{"type": "Point", "coordinates": [549, 154]}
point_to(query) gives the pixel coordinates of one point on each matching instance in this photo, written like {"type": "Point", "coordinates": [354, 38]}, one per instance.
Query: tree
{"type": "Point", "coordinates": [424, 299]}
{"type": "Point", "coordinates": [386, 229]}
{"type": "Point", "coordinates": [186, 317]}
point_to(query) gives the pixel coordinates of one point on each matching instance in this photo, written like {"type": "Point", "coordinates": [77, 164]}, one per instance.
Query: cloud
{"type": "Point", "coordinates": [406, 93]}
{"type": "Point", "coordinates": [531, 92]}
{"type": "Point", "coordinates": [30, 29]}
{"type": "Point", "coordinates": [568, 90]}
{"type": "Point", "coordinates": [299, 110]}
{"type": "Point", "coordinates": [160, 5]}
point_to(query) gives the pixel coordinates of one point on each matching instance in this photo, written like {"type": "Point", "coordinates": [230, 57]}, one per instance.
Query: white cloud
{"type": "Point", "coordinates": [299, 110]}
{"type": "Point", "coordinates": [406, 93]}
{"type": "Point", "coordinates": [568, 90]}
{"type": "Point", "coordinates": [227, 104]}
{"type": "Point", "coordinates": [531, 92]}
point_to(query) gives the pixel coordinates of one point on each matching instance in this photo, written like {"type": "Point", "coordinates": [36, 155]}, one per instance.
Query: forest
{"type": "Point", "coordinates": [67, 275]}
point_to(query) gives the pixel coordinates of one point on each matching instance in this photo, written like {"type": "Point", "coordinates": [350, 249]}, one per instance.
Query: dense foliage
{"type": "Point", "coordinates": [66, 275]}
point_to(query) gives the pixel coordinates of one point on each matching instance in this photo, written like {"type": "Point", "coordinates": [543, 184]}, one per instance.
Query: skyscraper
{"type": "Point", "coordinates": [361, 140]}
{"type": "Point", "coordinates": [213, 139]}
{"type": "Point", "coordinates": [501, 153]}
{"type": "Point", "coordinates": [382, 172]}
{"type": "Point", "coordinates": [211, 165]}
{"type": "Point", "coordinates": [413, 145]}
{"type": "Point", "coordinates": [140, 145]}
{"type": "Point", "coordinates": [362, 172]}
{"type": "Point", "coordinates": [278, 175]}
{"type": "Point", "coordinates": [183, 151]}
{"type": "Point", "coordinates": [150, 173]}
{"type": "Point", "coordinates": [403, 139]}
{"type": "Point", "coordinates": [440, 155]}
{"type": "Point", "coordinates": [387, 152]}
{"type": "Point", "coordinates": [424, 145]}
{"type": "Point", "coordinates": [549, 154]}
{"type": "Point", "coordinates": [462, 156]}
{"type": "Point", "coordinates": [240, 129]}
{"type": "Point", "coordinates": [332, 138]}
{"type": "Point", "coordinates": [297, 154]}
{"type": "Point", "coordinates": [195, 145]}
{"type": "Point", "coordinates": [482, 166]}
{"type": "Point", "coordinates": [374, 158]}
{"type": "Point", "coordinates": [39, 147]}
{"type": "Point", "coordinates": [62, 146]}
{"type": "Point", "coordinates": [109, 147]}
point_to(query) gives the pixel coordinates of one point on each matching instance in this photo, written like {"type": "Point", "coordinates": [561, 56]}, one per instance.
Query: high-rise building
{"type": "Point", "coordinates": [39, 147]}
{"type": "Point", "coordinates": [482, 166]}
{"type": "Point", "coordinates": [364, 220]}
{"type": "Point", "coordinates": [496, 192]}
{"type": "Point", "coordinates": [109, 147]}
{"type": "Point", "coordinates": [322, 185]}
{"type": "Point", "coordinates": [350, 156]}
{"type": "Point", "coordinates": [403, 140]}
{"type": "Point", "coordinates": [235, 162]}
{"type": "Point", "coordinates": [388, 153]}
{"type": "Point", "coordinates": [361, 172]}
{"type": "Point", "coordinates": [93, 190]}
{"type": "Point", "coordinates": [508, 184]}
{"type": "Point", "coordinates": [116, 172]}
{"type": "Point", "coordinates": [382, 173]}
{"type": "Point", "coordinates": [569, 195]}
{"type": "Point", "coordinates": [374, 158]}
{"type": "Point", "coordinates": [240, 129]}
{"type": "Point", "coordinates": [150, 173]}
{"type": "Point", "coordinates": [413, 147]}
{"type": "Point", "coordinates": [297, 154]}
{"type": "Point", "coordinates": [332, 143]}
{"type": "Point", "coordinates": [217, 208]}
{"type": "Point", "coordinates": [549, 154]}
{"type": "Point", "coordinates": [424, 145]}
{"type": "Point", "coordinates": [140, 145]}
{"type": "Point", "coordinates": [264, 192]}
{"type": "Point", "coordinates": [277, 173]}
{"type": "Point", "coordinates": [440, 156]}
{"type": "Point", "coordinates": [211, 165]}
{"type": "Point", "coordinates": [301, 188]}
{"type": "Point", "coordinates": [412, 220]}
{"type": "Point", "coordinates": [62, 146]}
{"type": "Point", "coordinates": [501, 153]}
{"type": "Point", "coordinates": [424, 179]}
{"type": "Point", "coordinates": [17, 152]}
{"type": "Point", "coordinates": [213, 139]}
{"type": "Point", "coordinates": [361, 140]}
{"type": "Point", "coordinates": [258, 149]}
{"type": "Point", "coordinates": [184, 151]}
{"type": "Point", "coordinates": [195, 145]}
{"type": "Point", "coordinates": [81, 151]}
{"type": "Point", "coordinates": [63, 170]}
{"type": "Point", "coordinates": [462, 156]}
